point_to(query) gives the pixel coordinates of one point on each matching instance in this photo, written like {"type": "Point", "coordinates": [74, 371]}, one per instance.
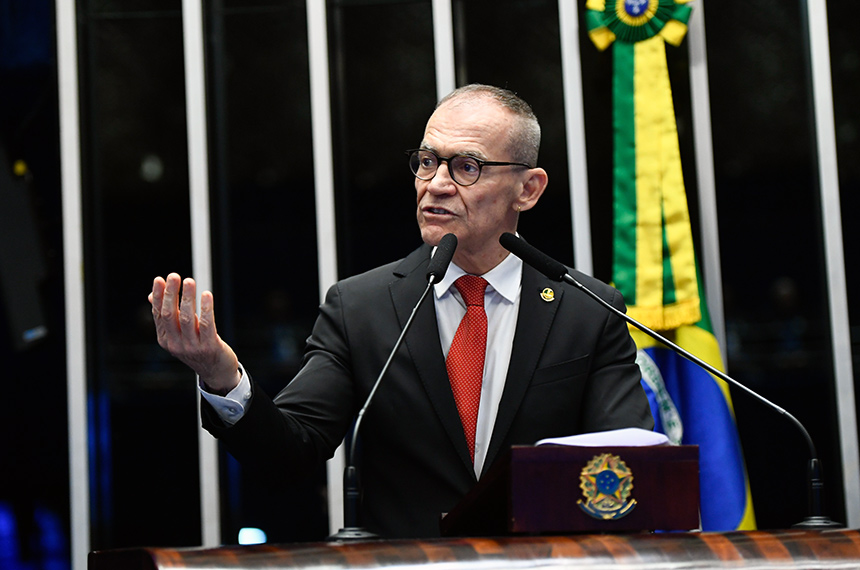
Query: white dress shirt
{"type": "Point", "coordinates": [501, 303]}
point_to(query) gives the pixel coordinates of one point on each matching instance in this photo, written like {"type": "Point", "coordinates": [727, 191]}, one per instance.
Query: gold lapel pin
{"type": "Point", "coordinates": [548, 295]}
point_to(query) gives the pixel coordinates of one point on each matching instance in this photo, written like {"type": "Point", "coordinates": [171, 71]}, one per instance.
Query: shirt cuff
{"type": "Point", "coordinates": [230, 408]}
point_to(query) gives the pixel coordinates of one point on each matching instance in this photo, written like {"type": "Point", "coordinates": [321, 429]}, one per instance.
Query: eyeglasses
{"type": "Point", "coordinates": [464, 170]}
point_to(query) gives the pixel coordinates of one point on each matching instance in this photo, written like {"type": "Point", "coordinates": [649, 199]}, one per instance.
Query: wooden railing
{"type": "Point", "coordinates": [758, 549]}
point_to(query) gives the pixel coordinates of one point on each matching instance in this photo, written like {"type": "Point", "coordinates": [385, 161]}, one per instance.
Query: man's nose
{"type": "Point", "coordinates": [442, 183]}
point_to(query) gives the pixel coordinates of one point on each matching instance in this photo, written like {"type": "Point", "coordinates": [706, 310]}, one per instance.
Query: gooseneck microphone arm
{"type": "Point", "coordinates": [352, 529]}
{"type": "Point", "coordinates": [558, 272]}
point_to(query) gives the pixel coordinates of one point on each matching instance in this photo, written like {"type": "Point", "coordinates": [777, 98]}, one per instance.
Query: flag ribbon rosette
{"type": "Point", "coordinates": [654, 263]}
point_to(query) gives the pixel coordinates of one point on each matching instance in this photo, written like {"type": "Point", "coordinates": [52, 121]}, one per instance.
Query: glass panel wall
{"type": "Point", "coordinates": [515, 44]}
{"type": "Point", "coordinates": [263, 207]}
{"type": "Point", "coordinates": [772, 249]}
{"type": "Point", "coordinates": [383, 86]}
{"type": "Point", "coordinates": [143, 419]}
{"type": "Point", "coordinates": [34, 478]}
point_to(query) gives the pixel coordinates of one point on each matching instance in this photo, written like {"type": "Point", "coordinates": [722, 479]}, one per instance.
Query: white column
{"type": "Point", "coordinates": [443, 47]}
{"type": "Point", "coordinates": [828, 174]}
{"type": "Point", "coordinates": [325, 213]}
{"type": "Point", "coordinates": [73, 269]}
{"type": "Point", "coordinates": [704, 151]}
{"type": "Point", "coordinates": [574, 114]}
{"type": "Point", "coordinates": [201, 254]}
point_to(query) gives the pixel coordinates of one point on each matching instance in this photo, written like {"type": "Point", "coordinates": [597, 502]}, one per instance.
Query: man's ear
{"type": "Point", "coordinates": [532, 189]}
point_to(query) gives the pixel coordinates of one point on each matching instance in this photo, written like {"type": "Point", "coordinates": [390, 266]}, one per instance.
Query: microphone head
{"type": "Point", "coordinates": [442, 258]}
{"type": "Point", "coordinates": [534, 257]}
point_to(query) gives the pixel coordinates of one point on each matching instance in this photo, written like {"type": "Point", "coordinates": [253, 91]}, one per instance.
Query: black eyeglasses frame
{"type": "Point", "coordinates": [440, 159]}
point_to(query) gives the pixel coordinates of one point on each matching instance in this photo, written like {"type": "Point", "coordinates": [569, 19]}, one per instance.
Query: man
{"type": "Point", "coordinates": [555, 363]}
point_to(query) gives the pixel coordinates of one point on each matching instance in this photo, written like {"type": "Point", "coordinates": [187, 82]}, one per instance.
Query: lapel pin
{"type": "Point", "coordinates": [548, 295]}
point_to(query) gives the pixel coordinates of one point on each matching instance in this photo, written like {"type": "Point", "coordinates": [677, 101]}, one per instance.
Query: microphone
{"type": "Point", "coordinates": [352, 530]}
{"type": "Point", "coordinates": [442, 258]}
{"type": "Point", "coordinates": [534, 257]}
{"type": "Point", "coordinates": [558, 272]}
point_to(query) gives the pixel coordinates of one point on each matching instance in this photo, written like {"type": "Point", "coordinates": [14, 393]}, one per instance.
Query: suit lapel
{"type": "Point", "coordinates": [424, 346]}
{"type": "Point", "coordinates": [533, 323]}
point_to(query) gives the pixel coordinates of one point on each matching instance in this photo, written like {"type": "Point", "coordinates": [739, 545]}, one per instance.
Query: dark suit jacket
{"type": "Point", "coordinates": [572, 370]}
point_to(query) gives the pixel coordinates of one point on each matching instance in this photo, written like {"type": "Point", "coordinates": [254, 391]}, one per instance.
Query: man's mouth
{"type": "Point", "coordinates": [438, 211]}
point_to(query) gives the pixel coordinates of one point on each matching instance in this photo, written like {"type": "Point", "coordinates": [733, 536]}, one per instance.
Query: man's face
{"type": "Point", "coordinates": [480, 213]}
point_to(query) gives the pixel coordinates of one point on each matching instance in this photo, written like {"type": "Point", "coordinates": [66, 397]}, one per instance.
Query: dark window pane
{"type": "Point", "coordinates": [131, 8]}
{"type": "Point", "coordinates": [34, 477]}
{"type": "Point", "coordinates": [597, 102]}
{"type": "Point", "coordinates": [383, 92]}
{"type": "Point", "coordinates": [515, 45]}
{"type": "Point", "coordinates": [143, 423]}
{"type": "Point", "coordinates": [264, 227]}
{"type": "Point", "coordinates": [771, 246]}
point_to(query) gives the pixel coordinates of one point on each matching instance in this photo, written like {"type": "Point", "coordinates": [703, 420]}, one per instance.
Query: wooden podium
{"type": "Point", "coordinates": [540, 490]}
{"type": "Point", "coordinates": [536, 490]}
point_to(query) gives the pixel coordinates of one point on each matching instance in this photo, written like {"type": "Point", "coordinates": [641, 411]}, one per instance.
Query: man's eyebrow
{"type": "Point", "coordinates": [471, 153]}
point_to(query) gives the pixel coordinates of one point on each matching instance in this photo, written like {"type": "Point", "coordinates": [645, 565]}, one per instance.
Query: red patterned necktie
{"type": "Point", "coordinates": [466, 357]}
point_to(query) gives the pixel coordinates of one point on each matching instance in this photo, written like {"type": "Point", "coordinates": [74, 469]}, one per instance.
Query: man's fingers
{"type": "Point", "coordinates": [156, 297]}
{"type": "Point", "coordinates": [167, 324]}
{"type": "Point", "coordinates": [169, 305]}
{"type": "Point", "coordinates": [208, 333]}
{"type": "Point", "coordinates": [188, 312]}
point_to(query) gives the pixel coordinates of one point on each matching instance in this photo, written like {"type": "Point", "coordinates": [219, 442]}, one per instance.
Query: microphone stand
{"type": "Point", "coordinates": [816, 519]}
{"type": "Point", "coordinates": [351, 491]}
{"type": "Point", "coordinates": [558, 272]}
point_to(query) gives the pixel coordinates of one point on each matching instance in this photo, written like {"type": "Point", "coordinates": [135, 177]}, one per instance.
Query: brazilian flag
{"type": "Point", "coordinates": [654, 264]}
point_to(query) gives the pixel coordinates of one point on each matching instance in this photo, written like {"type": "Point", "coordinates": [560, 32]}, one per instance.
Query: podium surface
{"type": "Point", "coordinates": [645, 551]}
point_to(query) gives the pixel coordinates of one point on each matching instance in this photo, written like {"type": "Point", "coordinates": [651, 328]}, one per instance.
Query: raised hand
{"type": "Point", "coordinates": [192, 339]}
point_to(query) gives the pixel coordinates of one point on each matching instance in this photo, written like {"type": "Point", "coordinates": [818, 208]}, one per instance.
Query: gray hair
{"type": "Point", "coordinates": [524, 141]}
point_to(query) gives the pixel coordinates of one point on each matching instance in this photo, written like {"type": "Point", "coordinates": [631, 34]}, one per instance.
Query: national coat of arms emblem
{"type": "Point", "coordinates": [606, 483]}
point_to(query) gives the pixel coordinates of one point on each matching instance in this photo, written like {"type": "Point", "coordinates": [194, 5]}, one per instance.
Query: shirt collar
{"type": "Point", "coordinates": [505, 278]}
